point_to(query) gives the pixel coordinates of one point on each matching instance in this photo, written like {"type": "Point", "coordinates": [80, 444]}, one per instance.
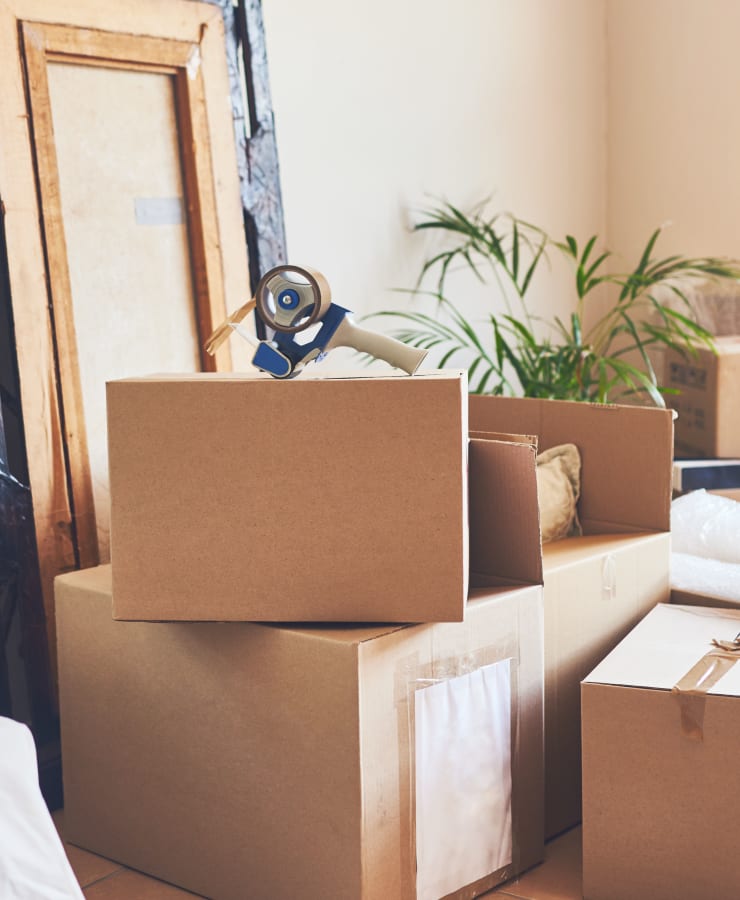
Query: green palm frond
{"type": "Point", "coordinates": [506, 355]}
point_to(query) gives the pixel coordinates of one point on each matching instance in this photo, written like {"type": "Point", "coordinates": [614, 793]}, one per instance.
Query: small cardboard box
{"type": "Point", "coordinates": [277, 762]}
{"type": "Point", "coordinates": [599, 585]}
{"type": "Point", "coordinates": [708, 424]}
{"type": "Point", "coordinates": [238, 498]}
{"type": "Point", "coordinates": [660, 768]}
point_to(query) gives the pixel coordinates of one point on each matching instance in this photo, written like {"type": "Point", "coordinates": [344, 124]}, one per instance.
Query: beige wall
{"type": "Point", "coordinates": [379, 104]}
{"type": "Point", "coordinates": [674, 128]}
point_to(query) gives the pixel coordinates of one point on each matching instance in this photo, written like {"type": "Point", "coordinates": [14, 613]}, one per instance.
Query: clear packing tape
{"type": "Point", "coordinates": [691, 690]}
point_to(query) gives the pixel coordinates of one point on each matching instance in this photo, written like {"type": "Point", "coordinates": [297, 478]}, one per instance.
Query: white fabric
{"type": "Point", "coordinates": [463, 780]}
{"type": "Point", "coordinates": [33, 864]}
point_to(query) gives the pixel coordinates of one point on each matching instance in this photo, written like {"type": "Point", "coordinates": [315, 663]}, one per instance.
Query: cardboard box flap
{"type": "Point", "coordinates": [626, 454]}
{"type": "Point", "coordinates": [504, 514]}
{"type": "Point", "coordinates": [505, 436]}
{"type": "Point", "coordinates": [665, 645]}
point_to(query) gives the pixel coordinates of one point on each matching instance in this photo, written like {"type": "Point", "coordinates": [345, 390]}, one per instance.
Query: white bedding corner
{"type": "Point", "coordinates": [33, 864]}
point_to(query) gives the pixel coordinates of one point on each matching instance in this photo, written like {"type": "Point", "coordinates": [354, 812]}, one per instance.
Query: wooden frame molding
{"type": "Point", "coordinates": [179, 38]}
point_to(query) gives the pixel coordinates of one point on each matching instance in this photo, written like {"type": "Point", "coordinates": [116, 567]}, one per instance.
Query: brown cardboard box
{"type": "Point", "coordinates": [276, 762]}
{"type": "Point", "coordinates": [596, 589]}
{"type": "Point", "coordinates": [691, 598]}
{"type": "Point", "coordinates": [659, 819]}
{"type": "Point", "coordinates": [732, 493]}
{"type": "Point", "coordinates": [708, 424]}
{"type": "Point", "coordinates": [249, 498]}
{"type": "Point", "coordinates": [597, 586]}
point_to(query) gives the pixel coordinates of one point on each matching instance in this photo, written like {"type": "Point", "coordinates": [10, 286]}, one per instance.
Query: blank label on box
{"type": "Point", "coordinates": [463, 780]}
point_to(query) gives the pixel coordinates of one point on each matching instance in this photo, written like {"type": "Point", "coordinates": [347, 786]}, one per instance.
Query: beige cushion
{"type": "Point", "coordinates": [558, 489]}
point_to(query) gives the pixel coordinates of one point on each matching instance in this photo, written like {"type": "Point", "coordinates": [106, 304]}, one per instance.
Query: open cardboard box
{"type": "Point", "coordinates": [599, 585]}
{"type": "Point", "coordinates": [660, 768]}
{"type": "Point", "coordinates": [279, 761]}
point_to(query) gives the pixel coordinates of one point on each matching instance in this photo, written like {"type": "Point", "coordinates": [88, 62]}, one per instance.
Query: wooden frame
{"type": "Point", "coordinates": [176, 37]}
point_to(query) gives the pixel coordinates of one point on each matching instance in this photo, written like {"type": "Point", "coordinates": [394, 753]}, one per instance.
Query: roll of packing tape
{"type": "Point", "coordinates": [292, 298]}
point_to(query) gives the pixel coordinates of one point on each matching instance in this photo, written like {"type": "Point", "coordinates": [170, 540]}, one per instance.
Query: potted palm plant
{"type": "Point", "coordinates": [592, 358]}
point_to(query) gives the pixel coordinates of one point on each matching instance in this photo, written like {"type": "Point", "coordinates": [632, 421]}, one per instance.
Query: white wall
{"type": "Point", "coordinates": [674, 127]}
{"type": "Point", "coordinates": [380, 104]}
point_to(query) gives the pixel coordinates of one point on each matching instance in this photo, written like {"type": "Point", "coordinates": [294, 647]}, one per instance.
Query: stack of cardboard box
{"type": "Point", "coordinates": [346, 755]}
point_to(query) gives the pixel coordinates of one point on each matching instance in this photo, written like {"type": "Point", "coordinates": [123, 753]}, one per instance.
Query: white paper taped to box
{"type": "Point", "coordinates": [463, 779]}
{"type": "Point", "coordinates": [706, 525]}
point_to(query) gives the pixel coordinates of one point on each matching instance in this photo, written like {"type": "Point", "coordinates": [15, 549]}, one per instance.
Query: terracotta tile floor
{"type": "Point", "coordinates": [558, 878]}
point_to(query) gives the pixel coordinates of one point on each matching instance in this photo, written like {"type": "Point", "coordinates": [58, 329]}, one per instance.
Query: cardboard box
{"type": "Point", "coordinates": [596, 589]}
{"type": "Point", "coordinates": [707, 424]}
{"type": "Point", "coordinates": [659, 769]}
{"type": "Point", "coordinates": [732, 493]}
{"type": "Point", "coordinates": [693, 598]}
{"type": "Point", "coordinates": [277, 762]}
{"type": "Point", "coordinates": [249, 498]}
{"type": "Point", "coordinates": [597, 586]}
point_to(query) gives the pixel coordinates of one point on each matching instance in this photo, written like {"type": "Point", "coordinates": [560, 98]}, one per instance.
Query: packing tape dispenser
{"type": "Point", "coordinates": [295, 303]}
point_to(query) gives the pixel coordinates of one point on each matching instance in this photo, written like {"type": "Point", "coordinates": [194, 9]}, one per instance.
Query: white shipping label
{"type": "Point", "coordinates": [463, 780]}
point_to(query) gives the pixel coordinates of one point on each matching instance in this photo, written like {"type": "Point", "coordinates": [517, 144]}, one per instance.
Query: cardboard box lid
{"type": "Point", "coordinates": [664, 646]}
{"type": "Point", "coordinates": [626, 454]}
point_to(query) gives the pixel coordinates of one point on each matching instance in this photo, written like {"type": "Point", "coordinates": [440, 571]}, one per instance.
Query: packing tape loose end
{"type": "Point", "coordinates": [691, 690]}
{"type": "Point", "coordinates": [220, 334]}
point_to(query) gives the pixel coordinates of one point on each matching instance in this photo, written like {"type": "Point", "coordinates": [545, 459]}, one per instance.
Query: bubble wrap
{"type": "Point", "coordinates": [705, 576]}
{"type": "Point", "coordinates": [706, 525]}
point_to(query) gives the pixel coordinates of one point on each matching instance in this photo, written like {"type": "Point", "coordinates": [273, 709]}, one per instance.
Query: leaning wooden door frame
{"type": "Point", "coordinates": [177, 37]}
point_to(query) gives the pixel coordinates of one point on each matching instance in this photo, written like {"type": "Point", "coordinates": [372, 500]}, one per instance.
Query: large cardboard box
{"type": "Point", "coordinates": [660, 768]}
{"type": "Point", "coordinates": [599, 585]}
{"type": "Point", "coordinates": [249, 498]}
{"type": "Point", "coordinates": [708, 424]}
{"type": "Point", "coordinates": [277, 762]}
{"type": "Point", "coordinates": [596, 589]}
